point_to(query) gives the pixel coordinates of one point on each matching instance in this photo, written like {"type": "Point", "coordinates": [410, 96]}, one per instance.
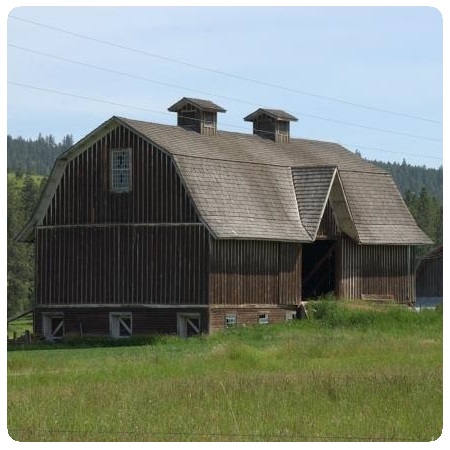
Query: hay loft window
{"type": "Point", "coordinates": [121, 170]}
{"type": "Point", "coordinates": [263, 318]}
{"type": "Point", "coordinates": [120, 325]}
{"type": "Point", "coordinates": [230, 320]}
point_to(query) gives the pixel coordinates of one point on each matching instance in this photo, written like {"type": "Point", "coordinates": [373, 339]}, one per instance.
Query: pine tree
{"type": "Point", "coordinates": [424, 211]}
{"type": "Point", "coordinates": [22, 197]}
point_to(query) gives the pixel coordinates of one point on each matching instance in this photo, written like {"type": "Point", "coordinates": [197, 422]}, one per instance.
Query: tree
{"type": "Point", "coordinates": [424, 211]}
{"type": "Point", "coordinates": [22, 198]}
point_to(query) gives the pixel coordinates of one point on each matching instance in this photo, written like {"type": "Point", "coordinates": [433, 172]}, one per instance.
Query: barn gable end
{"type": "Point", "coordinates": [83, 194]}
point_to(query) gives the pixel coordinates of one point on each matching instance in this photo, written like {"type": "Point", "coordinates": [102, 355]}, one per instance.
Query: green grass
{"type": "Point", "coordinates": [19, 327]}
{"type": "Point", "coordinates": [347, 374]}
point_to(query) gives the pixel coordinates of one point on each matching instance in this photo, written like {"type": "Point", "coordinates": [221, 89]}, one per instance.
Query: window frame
{"type": "Point", "coordinates": [290, 315]}
{"type": "Point", "coordinates": [114, 171]}
{"type": "Point", "coordinates": [263, 318]}
{"type": "Point", "coordinates": [230, 320]}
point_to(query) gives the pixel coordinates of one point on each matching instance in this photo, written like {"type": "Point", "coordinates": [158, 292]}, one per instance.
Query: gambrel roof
{"type": "Point", "coordinates": [247, 187]}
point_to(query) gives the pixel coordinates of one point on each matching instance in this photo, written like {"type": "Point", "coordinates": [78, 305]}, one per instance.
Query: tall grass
{"type": "Point", "coordinates": [336, 377]}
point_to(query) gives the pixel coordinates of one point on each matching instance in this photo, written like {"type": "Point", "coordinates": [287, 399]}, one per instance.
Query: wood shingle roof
{"type": "Point", "coordinates": [379, 213]}
{"type": "Point", "coordinates": [312, 187]}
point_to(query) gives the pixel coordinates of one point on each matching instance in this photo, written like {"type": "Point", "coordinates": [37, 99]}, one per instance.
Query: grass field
{"type": "Point", "coordinates": [20, 326]}
{"type": "Point", "coordinates": [348, 374]}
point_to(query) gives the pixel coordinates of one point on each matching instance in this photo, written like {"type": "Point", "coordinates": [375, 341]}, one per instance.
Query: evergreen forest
{"type": "Point", "coordinates": [29, 163]}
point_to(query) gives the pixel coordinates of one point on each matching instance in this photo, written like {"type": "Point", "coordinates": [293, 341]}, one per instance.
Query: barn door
{"type": "Point", "coordinates": [188, 324]}
{"type": "Point", "coordinates": [120, 325]}
{"type": "Point", "coordinates": [53, 326]}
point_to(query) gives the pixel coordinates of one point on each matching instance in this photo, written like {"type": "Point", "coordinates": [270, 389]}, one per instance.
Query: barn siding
{"type": "Point", "coordinates": [254, 272]}
{"type": "Point", "coordinates": [95, 321]}
{"type": "Point", "coordinates": [83, 195]}
{"type": "Point", "coordinates": [328, 228]}
{"type": "Point", "coordinates": [376, 270]}
{"type": "Point", "coordinates": [122, 264]}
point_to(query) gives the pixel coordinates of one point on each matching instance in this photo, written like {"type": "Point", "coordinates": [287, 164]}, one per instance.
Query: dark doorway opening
{"type": "Point", "coordinates": [318, 269]}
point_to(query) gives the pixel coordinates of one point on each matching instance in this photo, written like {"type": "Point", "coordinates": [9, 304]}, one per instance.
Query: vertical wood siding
{"type": "Point", "coordinates": [376, 270]}
{"type": "Point", "coordinates": [328, 228]}
{"type": "Point", "coordinates": [122, 264]}
{"type": "Point", "coordinates": [145, 246]}
{"type": "Point", "coordinates": [84, 196]}
{"type": "Point", "coordinates": [260, 272]}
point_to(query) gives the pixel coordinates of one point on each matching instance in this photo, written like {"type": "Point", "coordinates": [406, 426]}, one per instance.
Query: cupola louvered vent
{"type": "Point", "coordinates": [197, 115]}
{"type": "Point", "coordinates": [271, 124]}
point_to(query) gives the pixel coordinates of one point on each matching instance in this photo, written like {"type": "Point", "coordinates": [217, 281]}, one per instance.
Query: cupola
{"type": "Point", "coordinates": [197, 115]}
{"type": "Point", "coordinates": [271, 124]}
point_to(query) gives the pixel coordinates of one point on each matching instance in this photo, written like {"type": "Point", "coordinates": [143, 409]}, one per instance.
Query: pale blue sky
{"type": "Point", "coordinates": [388, 58]}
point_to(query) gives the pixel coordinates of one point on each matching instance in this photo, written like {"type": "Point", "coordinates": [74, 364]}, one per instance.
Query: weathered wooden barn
{"type": "Point", "coordinates": [148, 228]}
{"type": "Point", "coordinates": [429, 279]}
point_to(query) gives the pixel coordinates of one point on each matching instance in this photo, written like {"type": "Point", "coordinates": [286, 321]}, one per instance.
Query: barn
{"type": "Point", "coordinates": [147, 228]}
{"type": "Point", "coordinates": [429, 279]}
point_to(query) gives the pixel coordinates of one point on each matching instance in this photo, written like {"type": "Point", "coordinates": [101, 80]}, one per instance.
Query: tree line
{"type": "Point", "coordinates": [23, 192]}
{"type": "Point", "coordinates": [35, 156]}
{"type": "Point", "coordinates": [415, 178]}
{"type": "Point", "coordinates": [30, 161]}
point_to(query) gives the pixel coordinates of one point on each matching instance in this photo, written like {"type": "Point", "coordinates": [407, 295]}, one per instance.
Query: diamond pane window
{"type": "Point", "coordinates": [121, 170]}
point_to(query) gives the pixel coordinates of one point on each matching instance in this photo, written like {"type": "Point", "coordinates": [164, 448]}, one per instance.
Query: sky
{"type": "Point", "coordinates": [369, 78]}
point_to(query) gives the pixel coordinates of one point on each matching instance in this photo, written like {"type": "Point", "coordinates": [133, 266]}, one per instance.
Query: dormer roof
{"type": "Point", "coordinates": [204, 105]}
{"type": "Point", "coordinates": [276, 114]}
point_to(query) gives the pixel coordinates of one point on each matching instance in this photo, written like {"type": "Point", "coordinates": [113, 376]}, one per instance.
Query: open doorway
{"type": "Point", "coordinates": [318, 269]}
